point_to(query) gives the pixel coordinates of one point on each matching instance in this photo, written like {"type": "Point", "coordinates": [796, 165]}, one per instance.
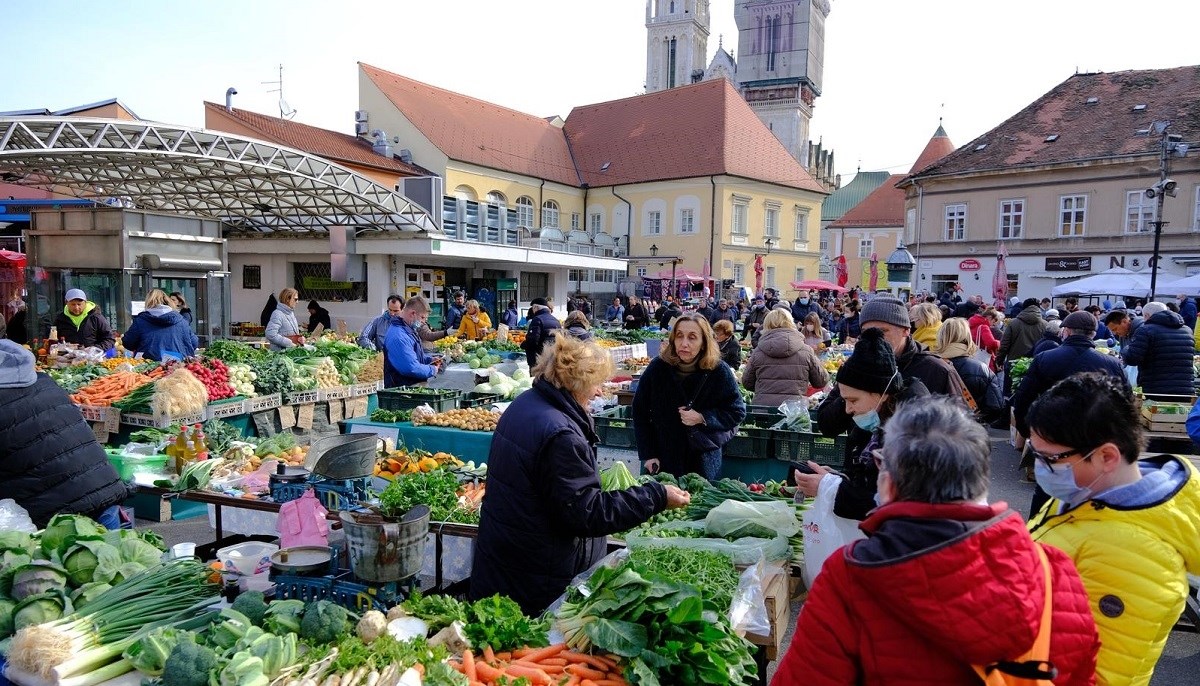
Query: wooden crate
{"type": "Point", "coordinates": [777, 592]}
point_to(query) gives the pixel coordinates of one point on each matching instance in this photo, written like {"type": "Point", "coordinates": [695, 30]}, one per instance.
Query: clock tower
{"type": "Point", "coordinates": [676, 43]}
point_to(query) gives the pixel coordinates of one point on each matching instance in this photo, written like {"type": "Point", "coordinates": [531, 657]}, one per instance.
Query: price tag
{"type": "Point", "coordinates": [263, 423]}
{"type": "Point", "coordinates": [112, 421]}
{"type": "Point", "coordinates": [357, 407]}
{"type": "Point", "coordinates": [287, 416]}
{"type": "Point", "coordinates": [304, 417]}
{"type": "Point", "coordinates": [100, 432]}
{"type": "Point", "coordinates": [336, 411]}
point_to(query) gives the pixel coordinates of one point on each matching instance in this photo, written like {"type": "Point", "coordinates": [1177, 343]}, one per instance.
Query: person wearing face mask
{"type": "Point", "coordinates": [686, 390]}
{"type": "Point", "coordinates": [869, 388]}
{"type": "Point", "coordinates": [933, 591]}
{"type": "Point", "coordinates": [815, 335]}
{"type": "Point", "coordinates": [375, 332]}
{"type": "Point", "coordinates": [1131, 526]}
{"type": "Point", "coordinates": [803, 306]}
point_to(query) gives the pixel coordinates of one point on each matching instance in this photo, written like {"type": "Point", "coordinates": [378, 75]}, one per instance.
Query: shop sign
{"type": "Point", "coordinates": [315, 283]}
{"type": "Point", "coordinates": [1068, 264]}
{"type": "Point", "coordinates": [969, 265]}
{"type": "Point", "coordinates": [506, 284]}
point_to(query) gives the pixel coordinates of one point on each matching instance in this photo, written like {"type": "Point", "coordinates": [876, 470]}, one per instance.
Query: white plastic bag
{"type": "Point", "coordinates": [748, 610]}
{"type": "Point", "coordinates": [824, 532]}
{"type": "Point", "coordinates": [736, 519]}
{"type": "Point", "coordinates": [13, 517]}
{"type": "Point", "coordinates": [795, 415]}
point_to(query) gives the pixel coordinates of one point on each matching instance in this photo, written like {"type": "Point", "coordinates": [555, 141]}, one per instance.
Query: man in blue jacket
{"type": "Point", "coordinates": [1162, 351]}
{"type": "Point", "coordinates": [405, 362]}
{"type": "Point", "coordinates": [374, 334]}
{"type": "Point", "coordinates": [803, 306]}
{"type": "Point", "coordinates": [1187, 310]}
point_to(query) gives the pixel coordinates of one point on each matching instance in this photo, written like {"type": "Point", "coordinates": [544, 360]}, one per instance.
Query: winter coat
{"type": "Point", "coordinates": [849, 328]}
{"type": "Point", "coordinates": [755, 315]}
{"type": "Point", "coordinates": [1048, 341]}
{"type": "Point", "coordinates": [454, 315]}
{"type": "Point", "coordinates": [93, 330]}
{"type": "Point", "coordinates": [581, 332]}
{"type": "Point", "coordinates": [976, 376]}
{"type": "Point", "coordinates": [636, 317]}
{"type": "Point", "coordinates": [728, 314]}
{"type": "Point", "coordinates": [658, 431]}
{"type": "Point", "coordinates": [1076, 354]}
{"type": "Point", "coordinates": [731, 353]}
{"type": "Point", "coordinates": [374, 334]}
{"type": "Point", "coordinates": [1187, 310]}
{"type": "Point", "coordinates": [283, 324]}
{"type": "Point", "coordinates": [1162, 351]}
{"type": "Point", "coordinates": [544, 502]}
{"type": "Point", "coordinates": [1133, 562]}
{"type": "Point", "coordinates": [160, 329]}
{"type": "Point", "coordinates": [665, 314]}
{"type": "Point", "coordinates": [471, 329]}
{"type": "Point", "coordinates": [510, 318]}
{"type": "Point", "coordinates": [1022, 333]}
{"type": "Point", "coordinates": [933, 590]}
{"type": "Point", "coordinates": [16, 328]}
{"type": "Point", "coordinates": [321, 316]}
{"type": "Point", "coordinates": [541, 328]}
{"type": "Point", "coordinates": [51, 461]}
{"type": "Point", "coordinates": [799, 312]}
{"type": "Point", "coordinates": [405, 362]}
{"type": "Point", "coordinates": [782, 368]}
{"type": "Point", "coordinates": [981, 333]}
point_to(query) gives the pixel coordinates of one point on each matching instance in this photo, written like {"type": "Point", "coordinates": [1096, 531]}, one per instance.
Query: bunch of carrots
{"type": "Point", "coordinates": [553, 666]}
{"type": "Point", "coordinates": [106, 390]}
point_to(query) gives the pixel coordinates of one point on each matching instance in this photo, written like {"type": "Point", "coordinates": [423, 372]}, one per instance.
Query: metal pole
{"type": "Point", "coordinates": [1154, 260]}
{"type": "Point", "coordinates": [674, 291]}
{"type": "Point", "coordinates": [1163, 161]}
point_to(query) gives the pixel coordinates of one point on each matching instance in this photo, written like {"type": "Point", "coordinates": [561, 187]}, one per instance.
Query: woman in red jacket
{"type": "Point", "coordinates": [943, 581]}
{"type": "Point", "coordinates": [981, 334]}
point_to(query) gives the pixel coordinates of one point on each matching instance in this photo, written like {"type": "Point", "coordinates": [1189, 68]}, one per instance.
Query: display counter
{"type": "Point", "coordinates": [468, 446]}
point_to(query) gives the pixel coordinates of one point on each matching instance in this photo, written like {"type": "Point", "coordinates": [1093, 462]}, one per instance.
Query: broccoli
{"type": "Point", "coordinates": [189, 664]}
{"type": "Point", "coordinates": [252, 604]}
{"type": "Point", "coordinates": [324, 622]}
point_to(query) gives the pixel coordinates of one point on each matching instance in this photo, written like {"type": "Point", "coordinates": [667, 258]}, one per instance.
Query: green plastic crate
{"type": "Point", "coordinates": [750, 442]}
{"type": "Point", "coordinates": [615, 427]}
{"type": "Point", "coordinates": [408, 397]}
{"type": "Point", "coordinates": [477, 399]}
{"type": "Point", "coordinates": [796, 446]}
{"type": "Point", "coordinates": [753, 470]}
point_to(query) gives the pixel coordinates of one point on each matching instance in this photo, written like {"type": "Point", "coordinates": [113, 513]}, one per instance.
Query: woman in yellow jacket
{"type": "Point", "coordinates": [927, 321]}
{"type": "Point", "coordinates": [1131, 526]}
{"type": "Point", "coordinates": [475, 322]}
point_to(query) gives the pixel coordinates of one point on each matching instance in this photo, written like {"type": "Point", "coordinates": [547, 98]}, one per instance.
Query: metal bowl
{"type": "Point", "coordinates": [305, 559]}
{"type": "Point", "coordinates": [347, 456]}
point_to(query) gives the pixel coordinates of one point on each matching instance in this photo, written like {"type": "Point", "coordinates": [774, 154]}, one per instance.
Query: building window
{"type": "Point", "coordinates": [653, 223]}
{"type": "Point", "coordinates": [595, 223]}
{"type": "Point", "coordinates": [799, 274]}
{"type": "Point", "coordinates": [910, 225]}
{"type": "Point", "coordinates": [801, 225]}
{"type": "Point", "coordinates": [1196, 212]}
{"type": "Point", "coordinates": [771, 223]}
{"type": "Point", "coordinates": [687, 221]}
{"type": "Point", "coordinates": [866, 246]}
{"type": "Point", "coordinates": [739, 219]}
{"type": "Point", "coordinates": [574, 221]}
{"type": "Point", "coordinates": [824, 242]}
{"type": "Point", "coordinates": [956, 222]}
{"type": "Point", "coordinates": [671, 63]}
{"type": "Point", "coordinates": [1139, 212]}
{"type": "Point", "coordinates": [605, 275]}
{"type": "Point", "coordinates": [578, 275]}
{"type": "Point", "coordinates": [549, 215]}
{"type": "Point", "coordinates": [497, 198]}
{"type": "Point", "coordinates": [641, 271]}
{"type": "Point", "coordinates": [1012, 218]}
{"type": "Point", "coordinates": [739, 273]}
{"type": "Point", "coordinates": [534, 285]}
{"type": "Point", "coordinates": [941, 282]}
{"type": "Point", "coordinates": [1072, 213]}
{"type": "Point", "coordinates": [525, 213]}
{"type": "Point", "coordinates": [770, 277]}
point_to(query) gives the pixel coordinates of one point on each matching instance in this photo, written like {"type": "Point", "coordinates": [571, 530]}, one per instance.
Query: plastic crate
{"type": "Point", "coordinates": [615, 427]}
{"type": "Point", "coordinates": [750, 442]}
{"type": "Point", "coordinates": [302, 397]}
{"type": "Point", "coordinates": [334, 393]}
{"type": "Point", "coordinates": [161, 422]}
{"type": "Point", "coordinates": [360, 389]}
{"type": "Point", "coordinates": [225, 409]}
{"type": "Point", "coordinates": [128, 465]}
{"type": "Point", "coordinates": [407, 397]}
{"type": "Point", "coordinates": [92, 413]}
{"type": "Point", "coordinates": [796, 446]}
{"type": "Point", "coordinates": [477, 399]}
{"type": "Point", "coordinates": [263, 403]}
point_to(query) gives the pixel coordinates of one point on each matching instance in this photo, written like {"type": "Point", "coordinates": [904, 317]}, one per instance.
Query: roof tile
{"type": "Point", "coordinates": [843, 199]}
{"type": "Point", "coordinates": [938, 147]}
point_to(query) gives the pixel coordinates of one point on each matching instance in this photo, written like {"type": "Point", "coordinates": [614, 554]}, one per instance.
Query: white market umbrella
{"type": "Point", "coordinates": [1115, 281]}
{"type": "Point", "coordinates": [1188, 286]}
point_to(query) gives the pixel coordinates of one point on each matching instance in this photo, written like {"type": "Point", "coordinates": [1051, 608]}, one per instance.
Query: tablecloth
{"type": "Point", "coordinates": [468, 446]}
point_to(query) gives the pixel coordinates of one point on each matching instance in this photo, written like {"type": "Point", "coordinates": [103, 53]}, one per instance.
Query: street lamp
{"type": "Point", "coordinates": [653, 251]}
{"type": "Point", "coordinates": [770, 243]}
{"type": "Point", "coordinates": [1170, 144]}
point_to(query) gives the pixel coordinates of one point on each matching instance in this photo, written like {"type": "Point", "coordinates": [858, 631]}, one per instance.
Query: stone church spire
{"type": "Point", "coordinates": [676, 42]}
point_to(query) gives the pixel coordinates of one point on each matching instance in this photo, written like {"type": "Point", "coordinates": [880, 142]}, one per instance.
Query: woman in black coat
{"type": "Point", "coordinates": [544, 518]}
{"type": "Point", "coordinates": [636, 316]}
{"type": "Point", "coordinates": [686, 386]}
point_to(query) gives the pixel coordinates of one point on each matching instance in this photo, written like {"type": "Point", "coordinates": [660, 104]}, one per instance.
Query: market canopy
{"type": "Point", "coordinates": [1115, 281]}
{"type": "Point", "coordinates": [1189, 286]}
{"type": "Point", "coordinates": [816, 285]}
{"type": "Point", "coordinates": [679, 274]}
{"type": "Point", "coordinates": [253, 185]}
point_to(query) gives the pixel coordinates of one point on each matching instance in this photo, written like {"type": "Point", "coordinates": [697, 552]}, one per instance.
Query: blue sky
{"type": "Point", "coordinates": [891, 67]}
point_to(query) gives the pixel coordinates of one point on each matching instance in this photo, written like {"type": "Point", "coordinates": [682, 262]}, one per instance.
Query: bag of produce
{"type": "Point", "coordinates": [735, 519]}
{"type": "Point", "coordinates": [691, 534]}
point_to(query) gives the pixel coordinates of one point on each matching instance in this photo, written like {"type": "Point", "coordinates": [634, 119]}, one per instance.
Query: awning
{"type": "Point", "coordinates": [1056, 275]}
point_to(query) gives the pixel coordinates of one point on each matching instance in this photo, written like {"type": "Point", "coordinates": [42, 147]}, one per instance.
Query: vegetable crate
{"type": "Point", "coordinates": [408, 397]}
{"type": "Point", "coordinates": [161, 422]}
{"type": "Point", "coordinates": [302, 397]}
{"type": "Point", "coordinates": [750, 442]}
{"type": "Point", "coordinates": [128, 465]}
{"type": "Point", "coordinates": [477, 399]}
{"type": "Point", "coordinates": [615, 427]}
{"type": "Point", "coordinates": [334, 494]}
{"type": "Point", "coordinates": [263, 403]}
{"type": "Point", "coordinates": [798, 446]}
{"type": "Point", "coordinates": [226, 409]}
{"type": "Point", "coordinates": [369, 388]}
{"type": "Point", "coordinates": [334, 393]}
{"type": "Point", "coordinates": [92, 413]}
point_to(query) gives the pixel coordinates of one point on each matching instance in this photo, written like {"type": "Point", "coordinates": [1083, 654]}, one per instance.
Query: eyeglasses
{"type": "Point", "coordinates": [1052, 459]}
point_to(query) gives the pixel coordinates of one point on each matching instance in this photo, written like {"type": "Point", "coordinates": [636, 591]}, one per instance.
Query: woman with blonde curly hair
{"type": "Point", "coordinates": [926, 319]}
{"type": "Point", "coordinates": [544, 500]}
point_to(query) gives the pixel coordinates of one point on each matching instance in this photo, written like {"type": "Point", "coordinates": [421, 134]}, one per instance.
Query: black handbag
{"type": "Point", "coordinates": [703, 438]}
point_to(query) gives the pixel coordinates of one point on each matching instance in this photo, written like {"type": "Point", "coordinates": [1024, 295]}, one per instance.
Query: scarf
{"type": "Point", "coordinates": [956, 349]}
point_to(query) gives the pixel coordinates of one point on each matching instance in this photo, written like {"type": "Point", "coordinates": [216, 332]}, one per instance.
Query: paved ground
{"type": "Point", "coordinates": [1179, 664]}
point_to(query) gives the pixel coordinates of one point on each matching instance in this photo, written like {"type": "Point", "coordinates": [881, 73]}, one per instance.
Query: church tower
{"type": "Point", "coordinates": [676, 43]}
{"type": "Point", "coordinates": [781, 51]}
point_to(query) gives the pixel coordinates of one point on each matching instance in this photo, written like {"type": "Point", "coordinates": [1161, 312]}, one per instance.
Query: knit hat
{"type": "Point", "coordinates": [872, 367]}
{"type": "Point", "coordinates": [1080, 321]}
{"type": "Point", "coordinates": [75, 294]}
{"type": "Point", "coordinates": [886, 309]}
{"type": "Point", "coordinates": [1051, 314]}
{"type": "Point", "coordinates": [539, 301]}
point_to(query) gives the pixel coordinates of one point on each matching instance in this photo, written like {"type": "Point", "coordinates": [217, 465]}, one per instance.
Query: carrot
{"type": "Point", "coordinates": [587, 682]}
{"type": "Point", "coordinates": [488, 656]}
{"type": "Point", "coordinates": [487, 672]}
{"type": "Point", "coordinates": [601, 663]}
{"type": "Point", "coordinates": [560, 661]}
{"type": "Point", "coordinates": [504, 656]}
{"type": "Point", "coordinates": [585, 671]}
{"type": "Point", "coordinates": [612, 682]}
{"type": "Point", "coordinates": [522, 652]}
{"type": "Point", "coordinates": [549, 669]}
{"type": "Point", "coordinates": [536, 677]}
{"type": "Point", "coordinates": [469, 665]}
{"type": "Point", "coordinates": [543, 653]}
{"type": "Point", "coordinates": [572, 680]}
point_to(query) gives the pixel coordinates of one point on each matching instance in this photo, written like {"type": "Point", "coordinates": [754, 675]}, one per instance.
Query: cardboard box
{"type": "Point", "coordinates": [777, 592]}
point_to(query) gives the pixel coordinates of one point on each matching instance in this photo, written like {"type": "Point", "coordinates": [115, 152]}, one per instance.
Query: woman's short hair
{"type": "Point", "coordinates": [955, 330]}
{"type": "Point", "coordinates": [925, 314]}
{"type": "Point", "coordinates": [935, 452]}
{"type": "Point", "coordinates": [573, 365]}
{"type": "Point", "coordinates": [179, 298]}
{"type": "Point", "coordinates": [778, 318]}
{"type": "Point", "coordinates": [472, 304]}
{"type": "Point", "coordinates": [156, 297]}
{"type": "Point", "coordinates": [288, 293]}
{"type": "Point", "coordinates": [1101, 409]}
{"type": "Point", "coordinates": [710, 354]}
{"type": "Point", "coordinates": [723, 326]}
{"type": "Point", "coordinates": [577, 318]}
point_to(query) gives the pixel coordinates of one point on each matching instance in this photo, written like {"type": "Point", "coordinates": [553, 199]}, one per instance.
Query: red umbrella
{"type": "Point", "coordinates": [816, 285]}
{"type": "Point", "coordinates": [874, 273]}
{"type": "Point", "coordinates": [1000, 278]}
{"type": "Point", "coordinates": [839, 269]}
{"type": "Point", "coordinates": [758, 274]}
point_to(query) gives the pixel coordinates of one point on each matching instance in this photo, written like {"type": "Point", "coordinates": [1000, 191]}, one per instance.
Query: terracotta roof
{"type": "Point", "coordinates": [884, 206]}
{"type": "Point", "coordinates": [701, 129]}
{"type": "Point", "coordinates": [1062, 126]}
{"type": "Point", "coordinates": [938, 147]}
{"type": "Point", "coordinates": [339, 147]}
{"type": "Point", "coordinates": [843, 199]}
{"type": "Point", "coordinates": [471, 130]}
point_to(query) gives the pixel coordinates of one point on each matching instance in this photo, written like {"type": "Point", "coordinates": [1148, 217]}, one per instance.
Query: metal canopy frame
{"type": "Point", "coordinates": [256, 187]}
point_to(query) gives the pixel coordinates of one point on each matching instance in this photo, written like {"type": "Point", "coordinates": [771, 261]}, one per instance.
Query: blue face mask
{"type": "Point", "coordinates": [1060, 483]}
{"type": "Point", "coordinates": [803, 301]}
{"type": "Point", "coordinates": [868, 421]}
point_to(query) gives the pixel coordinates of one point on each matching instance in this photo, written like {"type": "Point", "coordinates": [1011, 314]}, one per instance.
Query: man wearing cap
{"type": "Point", "coordinates": [1162, 351]}
{"type": "Point", "coordinates": [542, 324]}
{"type": "Point", "coordinates": [81, 323]}
{"type": "Point", "coordinates": [754, 320]}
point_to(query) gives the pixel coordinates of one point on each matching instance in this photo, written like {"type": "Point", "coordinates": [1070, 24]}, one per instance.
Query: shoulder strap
{"type": "Point", "coordinates": [1034, 668]}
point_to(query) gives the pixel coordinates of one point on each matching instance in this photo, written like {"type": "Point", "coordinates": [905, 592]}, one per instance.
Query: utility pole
{"type": "Point", "coordinates": [1169, 144]}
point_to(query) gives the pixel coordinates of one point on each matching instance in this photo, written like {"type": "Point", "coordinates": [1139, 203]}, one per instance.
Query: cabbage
{"type": "Point", "coordinates": [139, 551]}
{"type": "Point", "coordinates": [18, 542]}
{"type": "Point", "coordinates": [64, 530]}
{"type": "Point", "coordinates": [85, 557]}
{"type": "Point", "coordinates": [41, 608]}
{"type": "Point", "coordinates": [9, 562]}
{"type": "Point", "coordinates": [483, 388]}
{"type": "Point", "coordinates": [521, 374]}
{"type": "Point", "coordinates": [87, 594]}
{"type": "Point", "coordinates": [37, 577]}
{"type": "Point", "coordinates": [496, 377]}
{"type": "Point", "coordinates": [7, 607]}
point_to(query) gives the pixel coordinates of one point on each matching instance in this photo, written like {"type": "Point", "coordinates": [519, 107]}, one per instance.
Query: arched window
{"type": "Point", "coordinates": [497, 198]}
{"type": "Point", "coordinates": [550, 215]}
{"type": "Point", "coordinates": [525, 211]}
{"type": "Point", "coordinates": [465, 193]}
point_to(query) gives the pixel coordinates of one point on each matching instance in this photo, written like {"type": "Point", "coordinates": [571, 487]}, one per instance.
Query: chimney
{"type": "Point", "coordinates": [406, 156]}
{"type": "Point", "coordinates": [229, 93]}
{"type": "Point", "coordinates": [381, 145]}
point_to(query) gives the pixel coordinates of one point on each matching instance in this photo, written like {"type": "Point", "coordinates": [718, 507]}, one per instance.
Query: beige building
{"type": "Point", "coordinates": [1062, 187]}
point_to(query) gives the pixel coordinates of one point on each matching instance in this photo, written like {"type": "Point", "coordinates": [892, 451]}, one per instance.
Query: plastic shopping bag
{"type": "Point", "coordinates": [824, 532]}
{"type": "Point", "coordinates": [735, 519]}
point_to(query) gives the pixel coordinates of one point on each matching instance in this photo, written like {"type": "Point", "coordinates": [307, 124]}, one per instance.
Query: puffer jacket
{"type": "Point", "coordinates": [161, 329]}
{"type": "Point", "coordinates": [541, 328]}
{"type": "Point", "coordinates": [544, 502]}
{"type": "Point", "coordinates": [51, 461]}
{"type": "Point", "coordinates": [1022, 332]}
{"type": "Point", "coordinates": [1048, 341]}
{"type": "Point", "coordinates": [281, 325]}
{"type": "Point", "coordinates": [933, 590]}
{"type": "Point", "coordinates": [1134, 563]}
{"type": "Point", "coordinates": [1162, 351]}
{"type": "Point", "coordinates": [782, 368]}
{"type": "Point", "coordinates": [975, 375]}
{"type": "Point", "coordinates": [1076, 354]}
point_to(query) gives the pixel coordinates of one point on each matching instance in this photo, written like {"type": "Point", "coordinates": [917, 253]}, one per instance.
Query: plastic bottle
{"type": "Point", "coordinates": [181, 449]}
{"type": "Point", "coordinates": [200, 446]}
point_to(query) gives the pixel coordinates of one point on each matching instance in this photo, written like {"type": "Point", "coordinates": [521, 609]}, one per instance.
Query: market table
{"type": "Point", "coordinates": [468, 446]}
{"type": "Point", "coordinates": [461, 377]}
